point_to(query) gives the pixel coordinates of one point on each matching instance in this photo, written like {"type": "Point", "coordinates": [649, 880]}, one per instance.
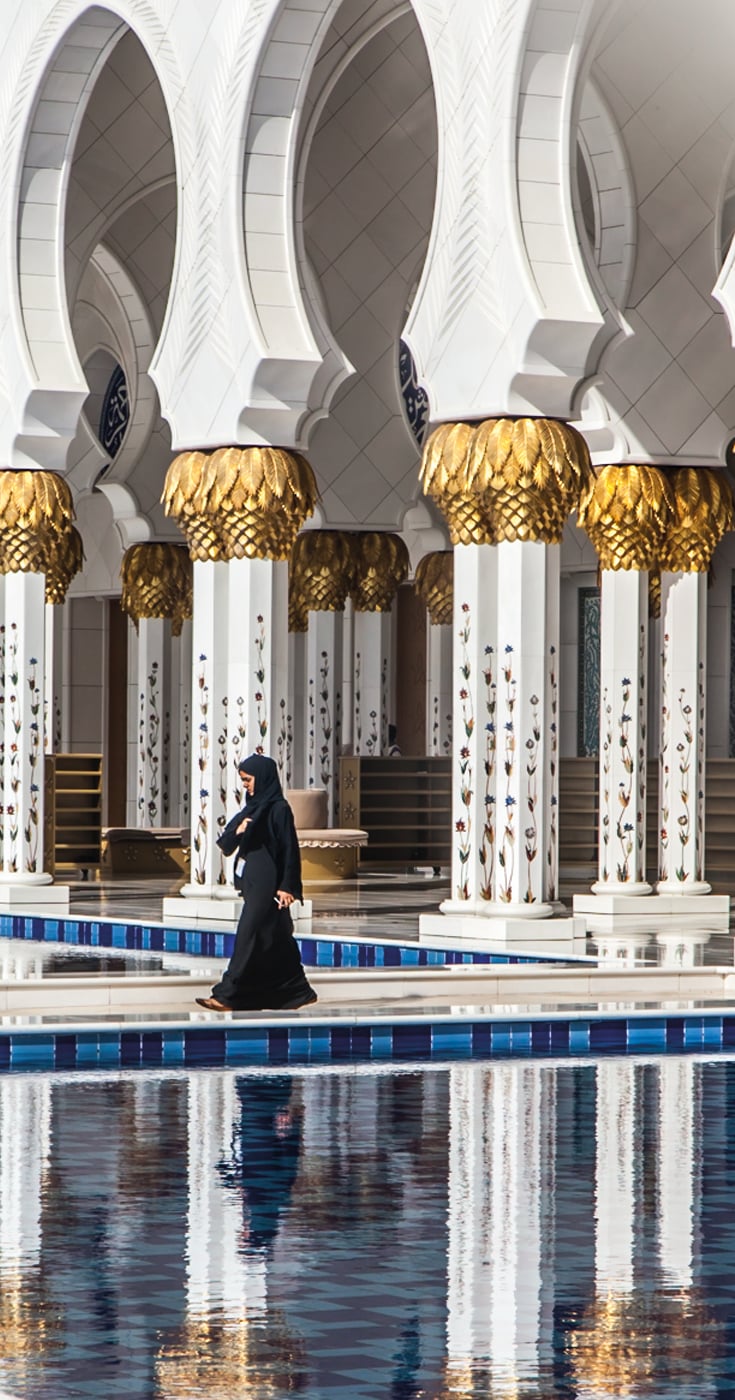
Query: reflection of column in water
{"type": "Point", "coordinates": [615, 1177]}
{"type": "Point", "coordinates": [682, 947]}
{"type": "Point", "coordinates": [219, 1279]}
{"type": "Point", "coordinates": [678, 1194]}
{"type": "Point", "coordinates": [25, 1137]}
{"type": "Point", "coordinates": [19, 963]}
{"type": "Point", "coordinates": [501, 1179]}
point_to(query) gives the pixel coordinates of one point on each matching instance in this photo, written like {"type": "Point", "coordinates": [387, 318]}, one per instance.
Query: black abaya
{"type": "Point", "coordinates": [265, 970]}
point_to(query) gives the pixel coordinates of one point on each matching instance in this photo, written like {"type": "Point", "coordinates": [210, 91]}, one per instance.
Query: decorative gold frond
{"type": "Point", "coordinates": [434, 581]}
{"type": "Point", "coordinates": [321, 570]}
{"type": "Point", "coordinates": [626, 514]}
{"type": "Point", "coordinates": [36, 511]}
{"type": "Point", "coordinates": [157, 582]}
{"type": "Point", "coordinates": [380, 567]}
{"type": "Point", "coordinates": [64, 564]}
{"type": "Point", "coordinates": [444, 478]}
{"type": "Point", "coordinates": [531, 473]}
{"type": "Point", "coordinates": [240, 502]}
{"type": "Point", "coordinates": [703, 512]}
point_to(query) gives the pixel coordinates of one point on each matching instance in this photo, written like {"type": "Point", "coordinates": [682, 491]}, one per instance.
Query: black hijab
{"type": "Point", "coordinates": [267, 785]}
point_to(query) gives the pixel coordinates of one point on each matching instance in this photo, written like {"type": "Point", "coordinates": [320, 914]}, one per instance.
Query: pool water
{"type": "Point", "coordinates": [525, 1230]}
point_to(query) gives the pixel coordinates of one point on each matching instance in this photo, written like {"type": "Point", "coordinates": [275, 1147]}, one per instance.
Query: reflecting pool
{"type": "Point", "coordinates": [507, 1230]}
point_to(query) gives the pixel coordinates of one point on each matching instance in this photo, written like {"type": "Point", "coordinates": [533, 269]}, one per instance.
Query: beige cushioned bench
{"type": "Point", "coordinates": [327, 853]}
{"type": "Point", "coordinates": [154, 850]}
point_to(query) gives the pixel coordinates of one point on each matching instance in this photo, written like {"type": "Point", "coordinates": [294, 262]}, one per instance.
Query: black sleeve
{"type": "Point", "coordinates": [287, 853]}
{"type": "Point", "coordinates": [229, 839]}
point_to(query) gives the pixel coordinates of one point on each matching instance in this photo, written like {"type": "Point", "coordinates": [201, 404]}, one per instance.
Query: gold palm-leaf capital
{"type": "Point", "coordinates": [444, 478]}
{"type": "Point", "coordinates": [703, 512]}
{"type": "Point", "coordinates": [157, 583]}
{"type": "Point", "coordinates": [531, 473]}
{"type": "Point", "coordinates": [321, 570]}
{"type": "Point", "coordinates": [64, 561]}
{"type": "Point", "coordinates": [627, 514]}
{"type": "Point", "coordinates": [434, 581]}
{"type": "Point", "coordinates": [380, 567]}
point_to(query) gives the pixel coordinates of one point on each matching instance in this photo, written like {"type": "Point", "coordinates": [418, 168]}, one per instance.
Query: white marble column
{"type": "Point", "coordinates": [323, 673]}
{"type": "Point", "coordinates": [347, 718]}
{"type": "Point", "coordinates": [53, 676]}
{"type": "Point", "coordinates": [439, 689]}
{"type": "Point", "coordinates": [682, 752]}
{"type": "Point", "coordinates": [23, 769]}
{"type": "Point", "coordinates": [153, 702]}
{"type": "Point", "coordinates": [475, 686]}
{"type": "Point", "coordinates": [180, 727]}
{"type": "Point", "coordinates": [623, 729]}
{"type": "Point", "coordinates": [296, 712]}
{"type": "Point", "coordinates": [209, 690]}
{"type": "Point", "coordinates": [255, 713]}
{"type": "Point", "coordinates": [527, 728]}
{"type": "Point", "coordinates": [372, 682]}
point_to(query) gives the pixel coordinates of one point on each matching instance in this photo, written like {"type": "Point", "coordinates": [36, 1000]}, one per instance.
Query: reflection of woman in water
{"type": "Point", "coordinates": [265, 969]}
{"type": "Point", "coordinates": [266, 1145]}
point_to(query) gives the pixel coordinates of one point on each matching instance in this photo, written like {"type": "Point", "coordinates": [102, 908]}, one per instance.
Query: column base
{"type": "Point", "coordinates": [656, 905]}
{"type": "Point", "coordinates": [681, 889]}
{"type": "Point", "coordinates": [490, 909]}
{"type": "Point", "coordinates": [629, 889]}
{"type": "Point", "coordinates": [468, 931]}
{"type": "Point", "coordinates": [221, 911]}
{"type": "Point", "coordinates": [19, 892]}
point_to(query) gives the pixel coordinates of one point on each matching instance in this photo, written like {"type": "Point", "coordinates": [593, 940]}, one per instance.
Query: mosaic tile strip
{"type": "Point", "coordinates": [315, 951]}
{"type": "Point", "coordinates": [235, 1043]}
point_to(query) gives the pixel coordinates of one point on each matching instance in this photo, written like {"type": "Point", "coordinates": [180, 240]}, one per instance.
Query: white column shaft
{"type": "Point", "coordinates": [324, 668]}
{"type": "Point", "coordinates": [209, 689]}
{"type": "Point", "coordinates": [623, 703]}
{"type": "Point", "coordinates": [474, 729]}
{"type": "Point", "coordinates": [373, 682]}
{"type": "Point", "coordinates": [53, 677]}
{"type": "Point", "coordinates": [527, 652]}
{"type": "Point", "coordinates": [439, 690]}
{"type": "Point", "coordinates": [180, 726]}
{"type": "Point", "coordinates": [254, 713]}
{"type": "Point", "coordinates": [23, 778]}
{"type": "Point", "coordinates": [296, 712]}
{"type": "Point", "coordinates": [682, 753]}
{"type": "Point", "coordinates": [151, 685]}
{"type": "Point", "coordinates": [347, 718]}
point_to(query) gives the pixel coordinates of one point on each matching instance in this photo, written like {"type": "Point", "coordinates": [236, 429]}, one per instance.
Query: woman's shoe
{"type": "Point", "coordinates": [212, 1004]}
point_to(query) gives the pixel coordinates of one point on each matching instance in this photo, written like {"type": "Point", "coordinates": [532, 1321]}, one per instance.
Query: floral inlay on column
{"type": "Point", "coordinates": [684, 753]}
{"type": "Point", "coordinates": [663, 765]}
{"type": "Point", "coordinates": [606, 794]}
{"type": "Point", "coordinates": [151, 749]}
{"type": "Point", "coordinates": [358, 710]}
{"type": "Point", "coordinates": [467, 710]}
{"type": "Point", "coordinates": [552, 847]}
{"type": "Point", "coordinates": [700, 772]}
{"type": "Point", "coordinates": [487, 847]}
{"type": "Point", "coordinates": [624, 827]}
{"type": "Point", "coordinates": [15, 731]}
{"type": "Point", "coordinates": [325, 721]}
{"type": "Point", "coordinates": [531, 831]}
{"type": "Point", "coordinates": [34, 757]}
{"type": "Point", "coordinates": [201, 833]}
{"type": "Point", "coordinates": [259, 697]}
{"type": "Point", "coordinates": [506, 854]}
{"type": "Point", "coordinates": [238, 739]}
{"type": "Point", "coordinates": [222, 767]}
{"type": "Point", "coordinates": [185, 764]}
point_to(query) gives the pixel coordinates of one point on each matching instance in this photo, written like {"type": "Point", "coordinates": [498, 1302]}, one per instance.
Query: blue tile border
{"type": "Point", "coordinates": [400, 1039]}
{"type": "Point", "coordinates": [317, 950]}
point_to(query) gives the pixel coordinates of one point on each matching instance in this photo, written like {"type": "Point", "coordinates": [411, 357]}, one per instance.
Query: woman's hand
{"type": "Point", "coordinates": [243, 824]}
{"type": "Point", "coordinates": [283, 899]}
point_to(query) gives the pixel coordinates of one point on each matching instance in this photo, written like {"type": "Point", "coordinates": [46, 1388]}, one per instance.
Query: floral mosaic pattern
{"type": "Point", "coordinates": [487, 845]}
{"type": "Point", "coordinates": [552, 849]}
{"type": "Point", "coordinates": [149, 756]}
{"type": "Point", "coordinates": [260, 697]}
{"type": "Point", "coordinates": [699, 872]}
{"type": "Point", "coordinates": [13, 752]}
{"type": "Point", "coordinates": [663, 766]}
{"type": "Point", "coordinates": [200, 842]}
{"type": "Point", "coordinates": [222, 768]}
{"type": "Point", "coordinates": [35, 747]}
{"type": "Point", "coordinates": [685, 758]}
{"type": "Point", "coordinates": [325, 722]}
{"type": "Point", "coordinates": [625, 830]}
{"type": "Point", "coordinates": [463, 825]}
{"type": "Point", "coordinates": [606, 786]}
{"type": "Point", "coordinates": [506, 853]}
{"type": "Point", "coordinates": [238, 734]}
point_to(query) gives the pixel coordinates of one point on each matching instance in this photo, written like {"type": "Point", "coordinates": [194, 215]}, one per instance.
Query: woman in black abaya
{"type": "Point", "coordinates": [265, 970]}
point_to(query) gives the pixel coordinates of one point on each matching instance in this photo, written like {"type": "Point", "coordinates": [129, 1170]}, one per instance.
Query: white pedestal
{"type": "Point", "coordinates": [657, 906]}
{"type": "Point", "coordinates": [28, 896]}
{"type": "Point", "coordinates": [476, 931]}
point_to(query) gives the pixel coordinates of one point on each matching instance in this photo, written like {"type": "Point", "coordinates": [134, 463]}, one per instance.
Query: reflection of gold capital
{"type": "Point", "coordinates": [626, 514]}
{"type": "Point", "coordinates": [380, 562]}
{"type": "Point", "coordinates": [157, 582]}
{"type": "Point", "coordinates": [240, 502]}
{"type": "Point", "coordinates": [36, 512]}
{"type": "Point", "coordinates": [435, 585]}
{"type": "Point", "coordinates": [703, 511]}
{"type": "Point", "coordinates": [321, 571]}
